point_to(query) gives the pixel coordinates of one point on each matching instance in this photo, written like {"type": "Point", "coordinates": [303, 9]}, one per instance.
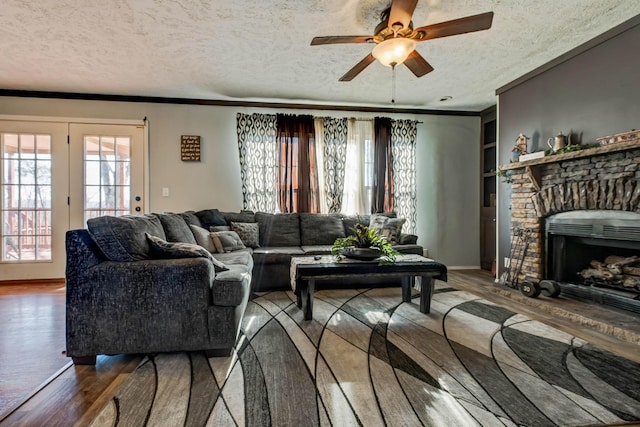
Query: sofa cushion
{"type": "Point", "coordinates": [409, 249]}
{"type": "Point", "coordinates": [160, 248]}
{"type": "Point", "coordinates": [242, 216]}
{"type": "Point", "coordinates": [248, 232]}
{"type": "Point", "coordinates": [317, 249]}
{"type": "Point", "coordinates": [320, 229]}
{"type": "Point", "coordinates": [228, 240]}
{"type": "Point", "coordinates": [279, 229]}
{"type": "Point", "coordinates": [276, 255]}
{"type": "Point", "coordinates": [203, 238]}
{"type": "Point", "coordinates": [210, 217]}
{"type": "Point", "coordinates": [123, 238]}
{"type": "Point", "coordinates": [175, 228]}
{"type": "Point", "coordinates": [349, 222]}
{"type": "Point", "coordinates": [239, 257]}
{"type": "Point", "coordinates": [190, 218]}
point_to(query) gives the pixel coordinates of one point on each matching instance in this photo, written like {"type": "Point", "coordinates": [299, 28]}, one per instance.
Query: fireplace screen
{"type": "Point", "coordinates": [595, 248]}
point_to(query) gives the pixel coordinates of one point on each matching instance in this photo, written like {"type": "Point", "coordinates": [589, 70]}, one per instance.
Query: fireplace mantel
{"type": "Point", "coordinates": [533, 171]}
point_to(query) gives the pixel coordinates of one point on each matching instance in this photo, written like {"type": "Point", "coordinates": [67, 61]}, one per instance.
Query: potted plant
{"type": "Point", "coordinates": [365, 244]}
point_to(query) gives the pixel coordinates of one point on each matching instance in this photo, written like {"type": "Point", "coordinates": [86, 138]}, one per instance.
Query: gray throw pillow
{"type": "Point", "coordinates": [390, 228]}
{"type": "Point", "coordinates": [175, 228]}
{"type": "Point", "coordinates": [248, 232]}
{"type": "Point", "coordinates": [170, 250]}
{"type": "Point", "coordinates": [220, 228]}
{"type": "Point", "coordinates": [229, 240]}
{"type": "Point", "coordinates": [122, 238]}
{"type": "Point", "coordinates": [210, 217]}
{"type": "Point", "coordinates": [203, 238]}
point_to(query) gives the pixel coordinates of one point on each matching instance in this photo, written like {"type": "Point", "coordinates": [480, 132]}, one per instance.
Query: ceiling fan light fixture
{"type": "Point", "coordinates": [393, 51]}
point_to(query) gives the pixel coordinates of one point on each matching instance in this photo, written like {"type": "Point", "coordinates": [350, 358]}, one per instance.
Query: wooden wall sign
{"type": "Point", "coordinates": [190, 148]}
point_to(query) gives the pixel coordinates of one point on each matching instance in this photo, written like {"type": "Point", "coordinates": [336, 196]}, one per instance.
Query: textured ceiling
{"type": "Point", "coordinates": [259, 50]}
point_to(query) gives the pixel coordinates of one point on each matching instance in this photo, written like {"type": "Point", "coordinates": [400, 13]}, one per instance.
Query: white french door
{"type": "Point", "coordinates": [34, 180]}
{"type": "Point", "coordinates": [107, 171]}
{"type": "Point", "coordinates": [53, 177]}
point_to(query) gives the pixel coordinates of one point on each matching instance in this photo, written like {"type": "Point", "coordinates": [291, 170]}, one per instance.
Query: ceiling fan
{"type": "Point", "coordinates": [395, 38]}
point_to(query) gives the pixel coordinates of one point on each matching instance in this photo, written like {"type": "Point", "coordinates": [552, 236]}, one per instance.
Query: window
{"type": "Point", "coordinates": [26, 196]}
{"type": "Point", "coordinates": [107, 163]}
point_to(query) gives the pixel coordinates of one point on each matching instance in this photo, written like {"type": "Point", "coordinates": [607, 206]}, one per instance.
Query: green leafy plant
{"type": "Point", "coordinates": [505, 175]}
{"type": "Point", "coordinates": [365, 237]}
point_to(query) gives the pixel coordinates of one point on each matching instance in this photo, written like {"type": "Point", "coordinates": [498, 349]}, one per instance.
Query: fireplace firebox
{"type": "Point", "coordinates": [584, 241]}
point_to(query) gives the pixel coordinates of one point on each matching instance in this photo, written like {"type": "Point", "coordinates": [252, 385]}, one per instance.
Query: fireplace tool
{"type": "Point", "coordinates": [520, 239]}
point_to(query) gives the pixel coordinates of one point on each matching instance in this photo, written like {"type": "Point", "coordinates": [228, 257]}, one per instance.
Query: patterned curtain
{"type": "Point", "coordinates": [335, 156]}
{"type": "Point", "coordinates": [403, 148]}
{"type": "Point", "coordinates": [258, 161]}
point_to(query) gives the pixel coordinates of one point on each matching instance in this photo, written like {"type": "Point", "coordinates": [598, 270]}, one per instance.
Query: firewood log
{"type": "Point", "coordinates": [621, 261]}
{"type": "Point", "coordinates": [631, 282]}
{"type": "Point", "coordinates": [631, 271]}
{"type": "Point", "coordinates": [594, 263]}
{"type": "Point", "coordinates": [596, 274]}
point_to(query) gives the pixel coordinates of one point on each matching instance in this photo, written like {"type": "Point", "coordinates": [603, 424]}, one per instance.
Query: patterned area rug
{"type": "Point", "coordinates": [368, 359]}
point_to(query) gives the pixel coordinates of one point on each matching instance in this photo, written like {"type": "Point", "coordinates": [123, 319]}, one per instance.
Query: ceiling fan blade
{"type": "Point", "coordinates": [401, 12]}
{"type": "Point", "coordinates": [417, 64]}
{"type": "Point", "coordinates": [457, 26]}
{"type": "Point", "coordinates": [340, 39]}
{"type": "Point", "coordinates": [357, 69]}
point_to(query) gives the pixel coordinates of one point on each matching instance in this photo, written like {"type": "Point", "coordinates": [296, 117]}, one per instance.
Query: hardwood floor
{"type": "Point", "coordinates": [31, 337]}
{"type": "Point", "coordinates": [76, 395]}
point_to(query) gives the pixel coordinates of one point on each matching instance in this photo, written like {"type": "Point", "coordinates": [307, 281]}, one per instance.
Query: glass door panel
{"type": "Point", "coordinates": [33, 208]}
{"type": "Point", "coordinates": [108, 173]}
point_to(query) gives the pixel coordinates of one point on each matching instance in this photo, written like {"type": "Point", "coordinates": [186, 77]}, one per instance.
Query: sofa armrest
{"type": "Point", "coordinates": [408, 239]}
{"type": "Point", "coordinates": [150, 305]}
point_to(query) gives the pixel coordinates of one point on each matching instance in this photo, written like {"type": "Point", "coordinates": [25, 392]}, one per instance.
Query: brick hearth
{"type": "Point", "coordinates": [604, 180]}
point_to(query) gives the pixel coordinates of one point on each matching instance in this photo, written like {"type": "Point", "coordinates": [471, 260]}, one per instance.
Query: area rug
{"type": "Point", "coordinates": [366, 359]}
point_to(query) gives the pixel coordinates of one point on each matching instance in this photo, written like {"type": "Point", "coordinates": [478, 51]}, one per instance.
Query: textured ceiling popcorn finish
{"type": "Point", "coordinates": [260, 51]}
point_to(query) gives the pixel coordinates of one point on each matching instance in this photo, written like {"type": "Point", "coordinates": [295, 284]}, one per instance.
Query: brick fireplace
{"type": "Point", "coordinates": [598, 181]}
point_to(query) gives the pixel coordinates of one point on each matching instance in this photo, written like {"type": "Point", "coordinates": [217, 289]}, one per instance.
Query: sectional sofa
{"type": "Point", "coordinates": [149, 283]}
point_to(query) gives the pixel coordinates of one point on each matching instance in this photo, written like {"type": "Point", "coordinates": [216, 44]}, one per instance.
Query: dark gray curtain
{"type": "Point", "coordinates": [383, 198]}
{"type": "Point", "coordinates": [297, 172]}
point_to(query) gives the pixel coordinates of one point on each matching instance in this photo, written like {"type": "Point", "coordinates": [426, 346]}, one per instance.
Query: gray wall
{"type": "Point", "coordinates": [447, 163]}
{"type": "Point", "coordinates": [593, 94]}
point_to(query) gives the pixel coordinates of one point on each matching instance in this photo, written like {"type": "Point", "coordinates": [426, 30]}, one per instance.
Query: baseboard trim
{"type": "Point", "coordinates": [464, 267]}
{"type": "Point", "coordinates": [59, 281]}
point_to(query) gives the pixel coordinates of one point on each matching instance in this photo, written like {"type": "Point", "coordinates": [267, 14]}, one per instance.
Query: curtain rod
{"type": "Point", "coordinates": [370, 120]}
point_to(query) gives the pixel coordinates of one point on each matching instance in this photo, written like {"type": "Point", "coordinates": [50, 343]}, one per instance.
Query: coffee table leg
{"type": "Point", "coordinates": [426, 293]}
{"type": "Point", "coordinates": [406, 288]}
{"type": "Point", "coordinates": [307, 299]}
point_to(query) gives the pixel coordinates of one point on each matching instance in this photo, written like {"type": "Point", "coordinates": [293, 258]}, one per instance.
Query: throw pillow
{"type": "Point", "coordinates": [229, 240]}
{"type": "Point", "coordinates": [248, 232]}
{"type": "Point", "coordinates": [390, 228]}
{"type": "Point", "coordinates": [202, 238]}
{"type": "Point", "coordinates": [220, 228]}
{"type": "Point", "coordinates": [210, 217]}
{"type": "Point", "coordinates": [169, 250]}
{"type": "Point", "coordinates": [175, 228]}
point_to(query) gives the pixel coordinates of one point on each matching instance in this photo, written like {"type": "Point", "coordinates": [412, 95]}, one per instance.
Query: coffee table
{"type": "Point", "coordinates": [305, 271]}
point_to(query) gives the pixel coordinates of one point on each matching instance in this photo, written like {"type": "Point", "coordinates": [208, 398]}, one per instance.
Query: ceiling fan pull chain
{"type": "Point", "coordinates": [393, 84]}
